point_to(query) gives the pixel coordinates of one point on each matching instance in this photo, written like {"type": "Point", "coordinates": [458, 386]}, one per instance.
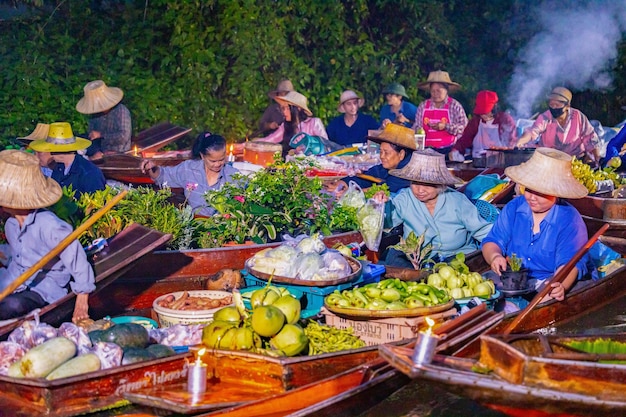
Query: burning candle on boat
{"type": "Point", "coordinates": [231, 156]}
{"type": "Point", "coordinates": [425, 345]}
{"type": "Point", "coordinates": [135, 150]}
{"type": "Point", "coordinates": [196, 379]}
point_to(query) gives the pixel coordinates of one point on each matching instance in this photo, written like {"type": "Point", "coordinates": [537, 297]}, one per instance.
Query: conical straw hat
{"type": "Point", "coordinates": [98, 98]}
{"type": "Point", "coordinates": [441, 77]}
{"type": "Point", "coordinates": [284, 86]}
{"type": "Point", "coordinates": [40, 132]}
{"type": "Point", "coordinates": [22, 184]}
{"type": "Point", "coordinates": [296, 99]}
{"type": "Point", "coordinates": [397, 135]}
{"type": "Point", "coordinates": [427, 166]}
{"type": "Point", "coordinates": [60, 139]}
{"type": "Point", "coordinates": [548, 171]}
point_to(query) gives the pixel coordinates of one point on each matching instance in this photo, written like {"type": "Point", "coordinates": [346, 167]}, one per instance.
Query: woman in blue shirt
{"type": "Point", "coordinates": [449, 221]}
{"type": "Point", "coordinates": [397, 110]}
{"type": "Point", "coordinates": [352, 126]}
{"type": "Point", "coordinates": [539, 228]}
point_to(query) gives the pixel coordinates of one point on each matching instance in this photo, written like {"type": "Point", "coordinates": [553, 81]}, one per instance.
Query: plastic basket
{"type": "Point", "coordinates": [313, 298]}
{"type": "Point", "coordinates": [487, 210]}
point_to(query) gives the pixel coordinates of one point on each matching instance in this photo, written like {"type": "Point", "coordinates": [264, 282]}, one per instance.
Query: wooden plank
{"type": "Point", "coordinates": [157, 136]}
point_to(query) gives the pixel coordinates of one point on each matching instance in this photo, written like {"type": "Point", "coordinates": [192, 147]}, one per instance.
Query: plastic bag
{"type": "Point", "coordinates": [600, 257]}
{"type": "Point", "coordinates": [110, 354]}
{"type": "Point", "coordinates": [32, 333]}
{"type": "Point", "coordinates": [76, 335]}
{"type": "Point", "coordinates": [480, 184]}
{"type": "Point", "coordinates": [313, 244]}
{"type": "Point", "coordinates": [354, 197]}
{"type": "Point", "coordinates": [178, 335]}
{"type": "Point", "coordinates": [10, 352]}
{"type": "Point", "coordinates": [308, 265]}
{"type": "Point", "coordinates": [371, 218]}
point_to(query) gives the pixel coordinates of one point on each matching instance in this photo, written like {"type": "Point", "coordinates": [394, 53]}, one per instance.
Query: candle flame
{"type": "Point", "coordinates": [135, 150]}
{"type": "Point", "coordinates": [199, 356]}
{"type": "Point", "coordinates": [430, 323]}
{"type": "Point", "coordinates": [232, 148]}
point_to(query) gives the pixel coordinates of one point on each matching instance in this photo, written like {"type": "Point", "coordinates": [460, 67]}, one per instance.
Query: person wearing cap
{"type": "Point", "coordinates": [540, 228]}
{"type": "Point", "coordinates": [397, 143]}
{"type": "Point", "coordinates": [490, 127]}
{"type": "Point", "coordinates": [298, 118]}
{"type": "Point", "coordinates": [352, 126]}
{"type": "Point", "coordinates": [32, 232]}
{"type": "Point", "coordinates": [447, 218]}
{"type": "Point", "coordinates": [563, 127]}
{"type": "Point", "coordinates": [442, 117]}
{"type": "Point", "coordinates": [398, 109]}
{"type": "Point", "coordinates": [110, 124]}
{"type": "Point", "coordinates": [273, 115]}
{"type": "Point", "coordinates": [58, 151]}
{"type": "Point", "coordinates": [206, 171]}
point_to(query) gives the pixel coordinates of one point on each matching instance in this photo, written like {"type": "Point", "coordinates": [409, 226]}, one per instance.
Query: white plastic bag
{"type": "Point", "coordinates": [371, 218]}
{"type": "Point", "coordinates": [354, 197]}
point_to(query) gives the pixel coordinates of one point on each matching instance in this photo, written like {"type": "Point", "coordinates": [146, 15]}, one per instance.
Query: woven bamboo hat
{"type": "Point", "coordinates": [397, 135]}
{"type": "Point", "coordinates": [98, 98]}
{"type": "Point", "coordinates": [40, 132]}
{"type": "Point", "coordinates": [349, 95]}
{"type": "Point", "coordinates": [296, 99]}
{"type": "Point", "coordinates": [284, 86]}
{"type": "Point", "coordinates": [548, 171]}
{"type": "Point", "coordinates": [22, 184]}
{"type": "Point", "coordinates": [60, 139]}
{"type": "Point", "coordinates": [441, 77]}
{"type": "Point", "coordinates": [427, 166]}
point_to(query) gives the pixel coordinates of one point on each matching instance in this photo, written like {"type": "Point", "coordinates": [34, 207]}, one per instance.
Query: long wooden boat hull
{"type": "Point", "coordinates": [596, 211]}
{"type": "Point", "coordinates": [127, 168]}
{"type": "Point", "coordinates": [116, 259]}
{"type": "Point", "coordinates": [508, 397]}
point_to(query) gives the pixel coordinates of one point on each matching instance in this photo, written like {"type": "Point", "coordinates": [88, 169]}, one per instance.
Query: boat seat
{"type": "Point", "coordinates": [156, 137]}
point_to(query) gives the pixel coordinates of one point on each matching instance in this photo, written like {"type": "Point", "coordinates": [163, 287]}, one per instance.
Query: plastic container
{"type": "Point", "coordinates": [169, 317]}
{"type": "Point", "coordinates": [144, 321]}
{"type": "Point", "coordinates": [313, 298]}
{"type": "Point", "coordinates": [261, 153]}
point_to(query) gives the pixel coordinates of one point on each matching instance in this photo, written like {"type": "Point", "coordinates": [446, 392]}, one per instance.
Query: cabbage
{"type": "Point", "coordinates": [371, 218]}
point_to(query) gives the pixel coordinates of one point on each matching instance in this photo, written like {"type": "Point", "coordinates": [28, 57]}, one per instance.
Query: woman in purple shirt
{"type": "Point", "coordinates": [538, 227]}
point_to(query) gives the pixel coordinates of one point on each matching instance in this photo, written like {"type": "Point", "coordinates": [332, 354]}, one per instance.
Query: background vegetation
{"type": "Point", "coordinates": [209, 64]}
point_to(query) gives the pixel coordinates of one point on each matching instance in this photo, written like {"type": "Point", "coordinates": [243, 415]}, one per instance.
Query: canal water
{"type": "Point", "coordinates": [422, 399]}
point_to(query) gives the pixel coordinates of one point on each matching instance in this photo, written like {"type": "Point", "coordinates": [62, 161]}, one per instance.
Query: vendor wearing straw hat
{"type": "Point", "coordinates": [542, 230]}
{"type": "Point", "coordinates": [273, 115]}
{"type": "Point", "coordinates": [442, 117]}
{"type": "Point", "coordinates": [32, 232]}
{"type": "Point", "coordinates": [110, 125]}
{"type": "Point", "coordinates": [68, 168]}
{"type": "Point", "coordinates": [351, 127]}
{"type": "Point", "coordinates": [298, 118]}
{"type": "Point", "coordinates": [450, 222]}
{"type": "Point", "coordinates": [396, 145]}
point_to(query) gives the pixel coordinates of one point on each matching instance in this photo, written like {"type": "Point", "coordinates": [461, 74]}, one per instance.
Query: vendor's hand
{"type": "Point", "coordinates": [557, 292]}
{"type": "Point", "coordinates": [401, 119]}
{"type": "Point", "coordinates": [81, 309]}
{"type": "Point", "coordinates": [498, 264]}
{"type": "Point", "coordinates": [148, 167]}
{"type": "Point", "coordinates": [437, 125]}
{"type": "Point", "coordinates": [380, 197]}
{"type": "Point", "coordinates": [94, 134]}
{"type": "Point", "coordinates": [385, 123]}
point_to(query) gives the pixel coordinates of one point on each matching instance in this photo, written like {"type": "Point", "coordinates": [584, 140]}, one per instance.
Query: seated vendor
{"type": "Point", "coordinates": [540, 228]}
{"type": "Point", "coordinates": [450, 222]}
{"type": "Point", "coordinates": [352, 126]}
{"type": "Point", "coordinates": [396, 145]}
{"type": "Point", "coordinates": [58, 152]}
{"type": "Point", "coordinates": [32, 232]}
{"type": "Point", "coordinates": [207, 170]}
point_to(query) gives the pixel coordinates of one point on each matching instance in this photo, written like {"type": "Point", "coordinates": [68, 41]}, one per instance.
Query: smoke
{"type": "Point", "coordinates": [576, 47]}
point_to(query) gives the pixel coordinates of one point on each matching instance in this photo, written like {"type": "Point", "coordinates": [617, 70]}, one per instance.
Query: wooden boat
{"type": "Point", "coordinates": [115, 260]}
{"type": "Point", "coordinates": [532, 376]}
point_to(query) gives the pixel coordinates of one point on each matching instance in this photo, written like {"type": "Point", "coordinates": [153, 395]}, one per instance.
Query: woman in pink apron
{"type": "Point", "coordinates": [489, 128]}
{"type": "Point", "coordinates": [442, 117]}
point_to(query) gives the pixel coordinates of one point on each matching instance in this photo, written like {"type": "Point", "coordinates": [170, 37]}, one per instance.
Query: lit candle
{"type": "Point", "coordinates": [425, 345]}
{"type": "Point", "coordinates": [196, 379]}
{"type": "Point", "coordinates": [135, 150]}
{"type": "Point", "coordinates": [231, 157]}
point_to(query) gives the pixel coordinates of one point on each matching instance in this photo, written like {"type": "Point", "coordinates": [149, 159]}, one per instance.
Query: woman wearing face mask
{"type": "Point", "coordinates": [563, 127]}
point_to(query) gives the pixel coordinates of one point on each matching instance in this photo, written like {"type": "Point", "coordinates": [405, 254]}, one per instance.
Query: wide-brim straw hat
{"type": "Point", "coordinates": [23, 185]}
{"type": "Point", "coordinates": [284, 86]}
{"type": "Point", "coordinates": [296, 99]}
{"type": "Point", "coordinates": [561, 94]}
{"type": "Point", "coordinates": [98, 97]}
{"type": "Point", "coordinates": [60, 139]}
{"type": "Point", "coordinates": [349, 95]}
{"type": "Point", "coordinates": [397, 135]}
{"type": "Point", "coordinates": [548, 171]}
{"type": "Point", "coordinates": [441, 77]}
{"type": "Point", "coordinates": [40, 132]}
{"type": "Point", "coordinates": [427, 166]}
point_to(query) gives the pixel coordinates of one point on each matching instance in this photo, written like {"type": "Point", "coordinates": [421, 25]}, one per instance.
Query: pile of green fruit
{"type": "Point", "coordinates": [591, 178]}
{"type": "Point", "coordinates": [270, 328]}
{"type": "Point", "coordinates": [460, 283]}
{"type": "Point", "coordinates": [388, 294]}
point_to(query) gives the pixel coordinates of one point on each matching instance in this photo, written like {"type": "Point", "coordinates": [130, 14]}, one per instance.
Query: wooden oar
{"type": "Point", "coordinates": [558, 277]}
{"type": "Point", "coordinates": [370, 178]}
{"type": "Point", "coordinates": [62, 245]}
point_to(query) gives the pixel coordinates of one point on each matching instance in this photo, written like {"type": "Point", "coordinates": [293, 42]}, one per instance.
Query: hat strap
{"type": "Point", "coordinates": [61, 141]}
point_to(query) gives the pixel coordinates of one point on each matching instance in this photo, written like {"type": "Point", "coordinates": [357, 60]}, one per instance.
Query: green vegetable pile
{"type": "Point", "coordinates": [389, 294]}
{"type": "Point", "coordinates": [326, 339]}
{"type": "Point", "coordinates": [589, 178]}
{"type": "Point", "coordinates": [457, 281]}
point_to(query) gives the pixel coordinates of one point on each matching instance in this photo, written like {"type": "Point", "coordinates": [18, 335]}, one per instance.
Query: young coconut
{"type": "Point", "coordinates": [291, 340]}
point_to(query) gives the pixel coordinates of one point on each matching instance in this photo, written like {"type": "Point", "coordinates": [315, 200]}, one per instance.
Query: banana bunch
{"type": "Point", "coordinates": [326, 339]}
{"type": "Point", "coordinates": [591, 178]}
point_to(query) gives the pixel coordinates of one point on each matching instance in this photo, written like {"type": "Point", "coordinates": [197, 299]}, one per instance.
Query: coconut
{"type": "Point", "coordinates": [291, 340]}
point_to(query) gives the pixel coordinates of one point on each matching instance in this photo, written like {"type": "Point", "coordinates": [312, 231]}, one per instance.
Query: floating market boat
{"type": "Point", "coordinates": [117, 257]}
{"type": "Point", "coordinates": [528, 375]}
